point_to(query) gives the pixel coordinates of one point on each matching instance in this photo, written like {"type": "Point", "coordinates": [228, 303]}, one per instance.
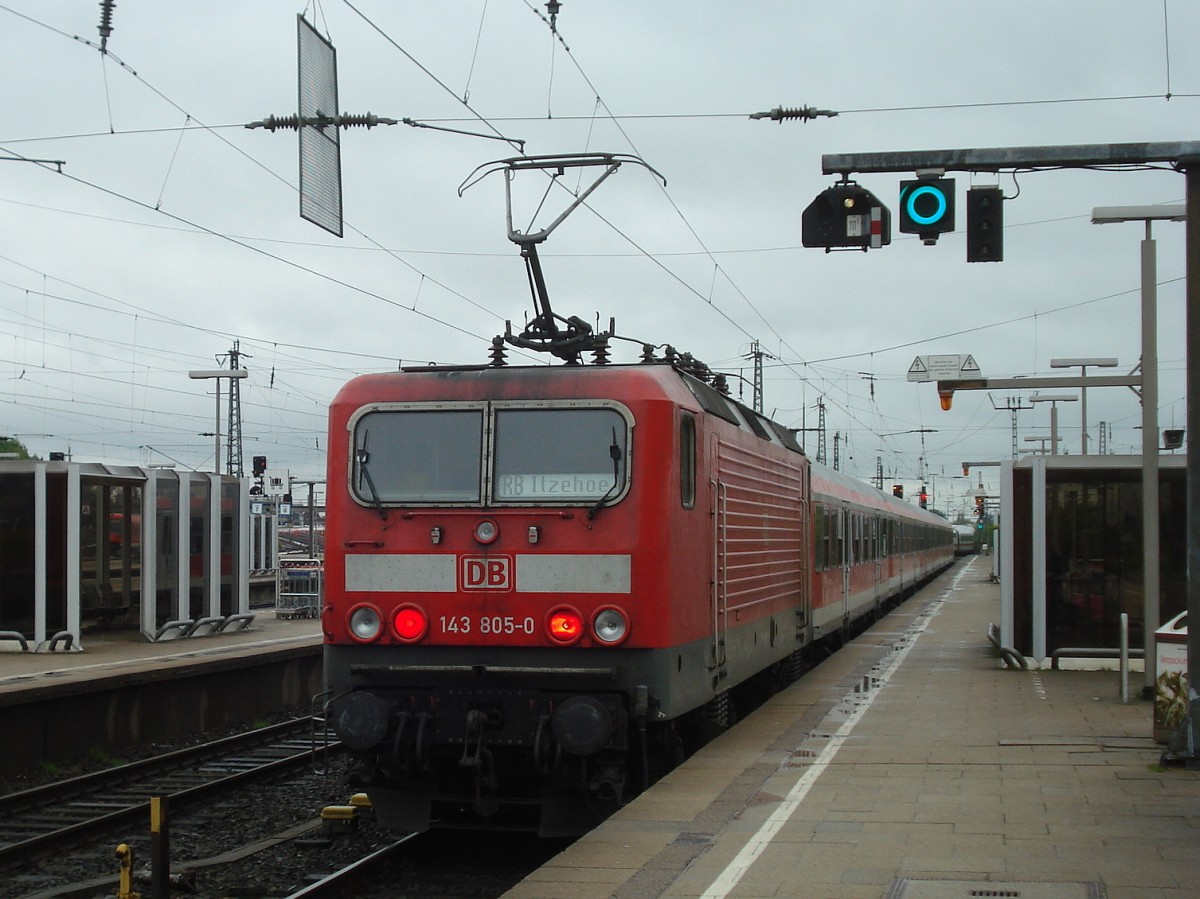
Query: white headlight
{"type": "Point", "coordinates": [610, 626]}
{"type": "Point", "coordinates": [365, 623]}
{"type": "Point", "coordinates": [486, 531]}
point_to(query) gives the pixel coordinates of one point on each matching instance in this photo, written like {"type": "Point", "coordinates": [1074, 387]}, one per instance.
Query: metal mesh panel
{"type": "Point", "coordinates": [320, 150]}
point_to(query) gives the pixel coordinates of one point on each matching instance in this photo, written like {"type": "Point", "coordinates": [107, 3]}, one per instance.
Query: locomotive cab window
{"type": "Point", "coordinates": [418, 456]}
{"type": "Point", "coordinates": [687, 461]}
{"type": "Point", "coordinates": [559, 455]}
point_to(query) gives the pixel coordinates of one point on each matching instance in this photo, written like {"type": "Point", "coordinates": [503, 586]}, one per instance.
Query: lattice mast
{"type": "Point", "coordinates": [757, 354]}
{"type": "Point", "coordinates": [1013, 407]}
{"type": "Point", "coordinates": [821, 431]}
{"type": "Point", "coordinates": [233, 455]}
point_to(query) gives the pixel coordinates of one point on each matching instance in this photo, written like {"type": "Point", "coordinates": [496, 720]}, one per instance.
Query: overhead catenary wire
{"type": "Point", "coordinates": [716, 270]}
{"type": "Point", "coordinates": [289, 262]}
{"type": "Point", "coordinates": [200, 124]}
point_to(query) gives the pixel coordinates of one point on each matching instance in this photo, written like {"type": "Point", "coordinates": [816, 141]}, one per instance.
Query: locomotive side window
{"type": "Point", "coordinates": [559, 455]}
{"type": "Point", "coordinates": [418, 456]}
{"type": "Point", "coordinates": [687, 461]}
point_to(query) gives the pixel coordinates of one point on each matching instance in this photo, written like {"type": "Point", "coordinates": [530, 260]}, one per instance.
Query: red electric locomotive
{"type": "Point", "coordinates": [542, 581]}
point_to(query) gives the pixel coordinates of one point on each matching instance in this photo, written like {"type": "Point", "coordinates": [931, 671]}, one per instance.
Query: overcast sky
{"type": "Point", "coordinates": [172, 231]}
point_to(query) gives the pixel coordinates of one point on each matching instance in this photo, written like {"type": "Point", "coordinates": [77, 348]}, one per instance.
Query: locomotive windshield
{"type": "Point", "coordinates": [558, 454]}
{"type": "Point", "coordinates": [493, 454]}
{"type": "Point", "coordinates": [425, 456]}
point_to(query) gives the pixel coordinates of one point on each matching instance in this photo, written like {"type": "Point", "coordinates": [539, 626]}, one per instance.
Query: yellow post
{"type": "Point", "coordinates": [125, 890]}
{"type": "Point", "coordinates": [160, 850]}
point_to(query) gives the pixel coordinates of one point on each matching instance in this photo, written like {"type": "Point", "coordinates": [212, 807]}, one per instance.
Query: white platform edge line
{"type": "Point", "coordinates": [761, 839]}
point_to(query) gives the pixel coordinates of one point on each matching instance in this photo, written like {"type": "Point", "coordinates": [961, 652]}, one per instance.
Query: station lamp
{"type": "Point", "coordinates": [1053, 400]}
{"type": "Point", "coordinates": [1083, 364]}
{"type": "Point", "coordinates": [217, 374]}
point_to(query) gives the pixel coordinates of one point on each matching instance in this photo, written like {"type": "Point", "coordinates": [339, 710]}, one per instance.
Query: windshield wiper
{"type": "Point", "coordinates": [362, 457]}
{"type": "Point", "coordinates": [614, 452]}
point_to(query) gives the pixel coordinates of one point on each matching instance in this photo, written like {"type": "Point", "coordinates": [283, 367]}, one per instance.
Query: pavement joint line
{"type": "Point", "coordinates": [733, 873]}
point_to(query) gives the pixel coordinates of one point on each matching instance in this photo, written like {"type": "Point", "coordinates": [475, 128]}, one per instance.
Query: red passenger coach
{"type": "Point", "coordinates": [545, 584]}
{"type": "Point", "coordinates": [868, 549]}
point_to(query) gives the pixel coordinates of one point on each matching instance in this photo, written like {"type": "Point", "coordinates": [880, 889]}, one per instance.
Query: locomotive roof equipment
{"type": "Point", "coordinates": [544, 333]}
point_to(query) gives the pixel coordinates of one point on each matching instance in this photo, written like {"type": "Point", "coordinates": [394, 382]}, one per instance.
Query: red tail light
{"type": "Point", "coordinates": [410, 623]}
{"type": "Point", "coordinates": [564, 625]}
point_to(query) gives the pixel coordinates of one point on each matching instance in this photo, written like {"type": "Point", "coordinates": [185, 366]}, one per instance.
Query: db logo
{"type": "Point", "coordinates": [485, 572]}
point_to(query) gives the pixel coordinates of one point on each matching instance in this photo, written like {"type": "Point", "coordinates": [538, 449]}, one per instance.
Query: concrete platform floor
{"type": "Point", "coordinates": [911, 765]}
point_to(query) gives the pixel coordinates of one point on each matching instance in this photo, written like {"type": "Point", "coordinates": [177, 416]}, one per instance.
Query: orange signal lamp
{"type": "Point", "coordinates": [565, 625]}
{"type": "Point", "coordinates": [946, 397]}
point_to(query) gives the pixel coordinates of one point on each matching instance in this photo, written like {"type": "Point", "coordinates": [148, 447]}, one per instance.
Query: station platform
{"type": "Point", "coordinates": [122, 691]}
{"type": "Point", "coordinates": [911, 765]}
{"type": "Point", "coordinates": [117, 654]}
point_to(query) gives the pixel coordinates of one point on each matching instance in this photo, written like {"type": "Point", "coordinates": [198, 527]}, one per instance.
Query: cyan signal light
{"type": "Point", "coordinates": [927, 207]}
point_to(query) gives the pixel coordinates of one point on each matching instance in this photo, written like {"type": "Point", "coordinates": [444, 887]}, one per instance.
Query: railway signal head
{"type": "Point", "coordinates": [923, 498]}
{"type": "Point", "coordinates": [846, 217]}
{"type": "Point", "coordinates": [985, 224]}
{"type": "Point", "coordinates": [927, 207]}
{"type": "Point", "coordinates": [898, 491]}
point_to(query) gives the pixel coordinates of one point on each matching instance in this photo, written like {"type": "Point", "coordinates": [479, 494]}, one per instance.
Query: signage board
{"type": "Point", "coordinates": [943, 368]}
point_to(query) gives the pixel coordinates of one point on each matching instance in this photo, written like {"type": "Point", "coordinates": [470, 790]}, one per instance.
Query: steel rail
{"type": "Point", "coordinates": [333, 886]}
{"type": "Point", "coordinates": [84, 798]}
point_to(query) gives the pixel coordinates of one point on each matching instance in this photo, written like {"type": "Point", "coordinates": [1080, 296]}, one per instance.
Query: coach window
{"type": "Point", "coordinates": [687, 461]}
{"type": "Point", "coordinates": [418, 456]}
{"type": "Point", "coordinates": [819, 538]}
{"type": "Point", "coordinates": [567, 455]}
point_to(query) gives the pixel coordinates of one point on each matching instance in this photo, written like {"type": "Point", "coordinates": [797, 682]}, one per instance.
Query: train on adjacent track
{"type": "Point", "coordinates": [547, 584]}
{"type": "Point", "coordinates": [967, 539]}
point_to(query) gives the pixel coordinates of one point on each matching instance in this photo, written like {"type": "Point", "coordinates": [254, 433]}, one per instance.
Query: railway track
{"type": "Point", "coordinates": [357, 874]}
{"type": "Point", "coordinates": [438, 863]}
{"type": "Point", "coordinates": [45, 819]}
